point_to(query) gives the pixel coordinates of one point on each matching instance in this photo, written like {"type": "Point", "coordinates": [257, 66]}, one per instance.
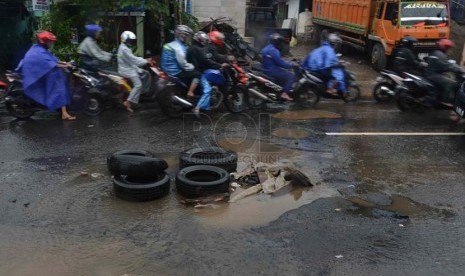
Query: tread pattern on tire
{"type": "Point", "coordinates": [140, 164]}
{"type": "Point", "coordinates": [191, 188]}
{"type": "Point", "coordinates": [227, 160]}
{"type": "Point", "coordinates": [132, 191]}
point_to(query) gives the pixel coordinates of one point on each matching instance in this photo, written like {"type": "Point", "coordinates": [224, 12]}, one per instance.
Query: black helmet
{"type": "Point", "coordinates": [277, 40]}
{"type": "Point", "coordinates": [408, 41]}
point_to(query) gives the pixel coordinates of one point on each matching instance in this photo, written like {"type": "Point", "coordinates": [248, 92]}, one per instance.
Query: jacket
{"type": "Point", "coordinates": [272, 62]}
{"type": "Point", "coordinates": [321, 59]}
{"type": "Point", "coordinates": [200, 58]}
{"type": "Point", "coordinates": [405, 60]}
{"type": "Point", "coordinates": [173, 58]}
{"type": "Point", "coordinates": [90, 49]}
{"type": "Point", "coordinates": [438, 63]}
{"type": "Point", "coordinates": [128, 63]}
{"type": "Point", "coordinates": [217, 53]}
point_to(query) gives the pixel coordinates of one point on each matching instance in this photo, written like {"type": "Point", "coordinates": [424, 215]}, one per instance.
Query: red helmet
{"type": "Point", "coordinates": [44, 37]}
{"type": "Point", "coordinates": [216, 37]}
{"type": "Point", "coordinates": [445, 44]}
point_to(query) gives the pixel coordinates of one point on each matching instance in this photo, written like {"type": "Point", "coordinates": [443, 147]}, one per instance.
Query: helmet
{"type": "Point", "coordinates": [44, 38]}
{"type": "Point", "coordinates": [92, 30]}
{"type": "Point", "coordinates": [334, 39]}
{"type": "Point", "coordinates": [216, 37]}
{"type": "Point", "coordinates": [128, 37]}
{"type": "Point", "coordinates": [277, 40]}
{"type": "Point", "coordinates": [445, 44]}
{"type": "Point", "coordinates": [182, 32]}
{"type": "Point", "coordinates": [201, 38]}
{"type": "Point", "coordinates": [408, 41]}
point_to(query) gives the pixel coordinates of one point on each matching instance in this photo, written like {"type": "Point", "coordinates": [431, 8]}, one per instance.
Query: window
{"type": "Point", "coordinates": [392, 10]}
{"type": "Point", "coordinates": [379, 15]}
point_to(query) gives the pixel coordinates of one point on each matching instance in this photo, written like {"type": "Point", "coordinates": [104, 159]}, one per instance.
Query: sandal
{"type": "Point", "coordinates": [68, 118]}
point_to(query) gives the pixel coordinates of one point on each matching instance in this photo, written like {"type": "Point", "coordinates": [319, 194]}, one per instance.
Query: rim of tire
{"type": "Point", "coordinates": [308, 97]}
{"type": "Point", "coordinates": [202, 175]}
{"type": "Point", "coordinates": [378, 94]}
{"type": "Point", "coordinates": [352, 94]}
{"type": "Point", "coordinates": [236, 103]}
{"type": "Point", "coordinates": [93, 105]}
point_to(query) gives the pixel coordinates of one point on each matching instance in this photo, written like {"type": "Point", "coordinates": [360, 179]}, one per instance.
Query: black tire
{"type": "Point", "coordinates": [237, 101]}
{"type": "Point", "coordinates": [19, 112]}
{"type": "Point", "coordinates": [128, 189]}
{"type": "Point", "coordinates": [93, 104]}
{"type": "Point", "coordinates": [201, 180]}
{"type": "Point", "coordinates": [352, 94]}
{"type": "Point", "coordinates": [379, 95]}
{"type": "Point", "coordinates": [307, 97]}
{"type": "Point", "coordinates": [378, 57]}
{"type": "Point", "coordinates": [138, 165]}
{"type": "Point", "coordinates": [166, 104]}
{"type": "Point", "coordinates": [212, 156]}
{"type": "Point", "coordinates": [402, 103]}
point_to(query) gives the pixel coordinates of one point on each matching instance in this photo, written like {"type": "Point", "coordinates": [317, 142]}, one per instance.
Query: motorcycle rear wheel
{"type": "Point", "coordinates": [93, 105]}
{"type": "Point", "coordinates": [168, 107]}
{"type": "Point", "coordinates": [237, 101]}
{"type": "Point", "coordinates": [352, 94]}
{"type": "Point", "coordinates": [307, 97]}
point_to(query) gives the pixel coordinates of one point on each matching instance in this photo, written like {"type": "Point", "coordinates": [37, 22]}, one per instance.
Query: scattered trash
{"type": "Point", "coordinates": [84, 173]}
{"type": "Point", "coordinates": [401, 225]}
{"type": "Point", "coordinates": [13, 200]}
{"type": "Point", "coordinates": [96, 175]}
{"type": "Point", "coordinates": [235, 185]}
{"type": "Point", "coordinates": [205, 200]}
{"type": "Point", "coordinates": [250, 191]}
{"type": "Point", "coordinates": [339, 256]}
{"type": "Point", "coordinates": [206, 206]}
{"type": "Point", "coordinates": [274, 182]}
{"type": "Point", "coordinates": [90, 126]}
{"type": "Point", "coordinates": [338, 209]}
{"type": "Point", "coordinates": [26, 204]}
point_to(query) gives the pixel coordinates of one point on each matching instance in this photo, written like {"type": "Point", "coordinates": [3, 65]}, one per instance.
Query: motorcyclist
{"type": "Point", "coordinates": [173, 59]}
{"type": "Point", "coordinates": [44, 80]}
{"type": "Point", "coordinates": [217, 47]}
{"type": "Point", "coordinates": [438, 64]}
{"type": "Point", "coordinates": [405, 59]}
{"type": "Point", "coordinates": [129, 67]}
{"type": "Point", "coordinates": [324, 61]}
{"type": "Point", "coordinates": [275, 67]}
{"type": "Point", "coordinates": [198, 56]}
{"type": "Point", "coordinates": [90, 53]}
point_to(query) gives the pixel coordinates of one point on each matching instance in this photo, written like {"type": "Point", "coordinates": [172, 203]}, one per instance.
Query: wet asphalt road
{"type": "Point", "coordinates": [399, 209]}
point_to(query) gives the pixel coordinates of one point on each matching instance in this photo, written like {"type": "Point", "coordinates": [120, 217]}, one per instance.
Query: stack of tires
{"type": "Point", "coordinates": [138, 175]}
{"type": "Point", "coordinates": [205, 171]}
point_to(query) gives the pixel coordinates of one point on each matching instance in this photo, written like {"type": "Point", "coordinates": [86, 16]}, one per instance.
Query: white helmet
{"type": "Point", "coordinates": [201, 38]}
{"type": "Point", "coordinates": [334, 39]}
{"type": "Point", "coordinates": [128, 37]}
{"type": "Point", "coordinates": [183, 32]}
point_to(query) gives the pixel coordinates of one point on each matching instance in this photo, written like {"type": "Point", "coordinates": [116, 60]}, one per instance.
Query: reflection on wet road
{"type": "Point", "coordinates": [58, 221]}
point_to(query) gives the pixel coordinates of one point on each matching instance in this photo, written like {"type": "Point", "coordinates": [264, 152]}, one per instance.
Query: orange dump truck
{"type": "Point", "coordinates": [376, 26]}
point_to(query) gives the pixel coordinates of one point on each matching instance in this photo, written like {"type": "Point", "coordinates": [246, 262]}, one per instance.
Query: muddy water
{"type": "Point", "coordinates": [306, 115]}
{"type": "Point", "coordinates": [290, 133]}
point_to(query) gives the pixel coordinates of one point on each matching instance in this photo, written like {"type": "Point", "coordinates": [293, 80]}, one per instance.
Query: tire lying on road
{"type": "Point", "coordinates": [132, 190]}
{"type": "Point", "coordinates": [212, 156]}
{"type": "Point", "coordinates": [140, 165]}
{"type": "Point", "coordinates": [202, 180]}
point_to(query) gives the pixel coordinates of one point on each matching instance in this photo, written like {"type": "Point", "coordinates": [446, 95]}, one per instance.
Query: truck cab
{"type": "Point", "coordinates": [427, 21]}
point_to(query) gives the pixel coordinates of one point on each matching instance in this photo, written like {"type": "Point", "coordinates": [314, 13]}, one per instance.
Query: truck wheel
{"type": "Point", "coordinates": [378, 57]}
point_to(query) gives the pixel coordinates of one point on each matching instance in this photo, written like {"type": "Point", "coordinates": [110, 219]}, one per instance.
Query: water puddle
{"type": "Point", "coordinates": [289, 133]}
{"type": "Point", "coordinates": [306, 115]}
{"type": "Point", "coordinates": [401, 207]}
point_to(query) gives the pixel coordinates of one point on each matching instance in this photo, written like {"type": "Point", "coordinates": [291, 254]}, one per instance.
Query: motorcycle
{"type": "Point", "coordinates": [233, 40]}
{"type": "Point", "coordinates": [353, 90]}
{"type": "Point", "coordinates": [459, 104]}
{"type": "Point", "coordinates": [386, 85]}
{"type": "Point", "coordinates": [3, 87]}
{"type": "Point", "coordinates": [263, 89]}
{"type": "Point", "coordinates": [84, 95]}
{"type": "Point", "coordinates": [417, 94]}
{"type": "Point", "coordinates": [228, 87]}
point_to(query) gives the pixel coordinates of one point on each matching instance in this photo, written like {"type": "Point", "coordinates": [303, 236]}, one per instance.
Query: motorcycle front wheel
{"type": "Point", "coordinates": [18, 111]}
{"type": "Point", "coordinates": [93, 104]}
{"type": "Point", "coordinates": [307, 97]}
{"type": "Point", "coordinates": [379, 95]}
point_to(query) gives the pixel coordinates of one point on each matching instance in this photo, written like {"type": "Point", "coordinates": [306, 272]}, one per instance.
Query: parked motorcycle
{"type": "Point", "coordinates": [84, 95]}
{"type": "Point", "coordinates": [228, 87]}
{"type": "Point", "coordinates": [263, 89]}
{"type": "Point", "coordinates": [233, 40]}
{"type": "Point", "coordinates": [386, 85]}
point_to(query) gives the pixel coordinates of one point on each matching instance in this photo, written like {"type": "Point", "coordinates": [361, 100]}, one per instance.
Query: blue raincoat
{"type": "Point", "coordinates": [322, 59]}
{"type": "Point", "coordinates": [43, 81]}
{"type": "Point", "coordinates": [274, 66]}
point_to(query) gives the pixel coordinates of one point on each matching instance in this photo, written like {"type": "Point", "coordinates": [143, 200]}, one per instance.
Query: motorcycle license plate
{"type": "Point", "coordinates": [460, 111]}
